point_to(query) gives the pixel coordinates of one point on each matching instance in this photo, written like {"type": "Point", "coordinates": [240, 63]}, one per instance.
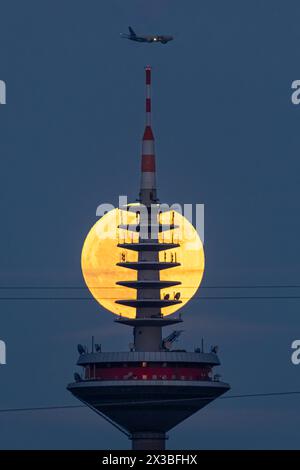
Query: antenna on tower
{"type": "Point", "coordinates": [148, 95]}
{"type": "Point", "coordinates": [148, 178]}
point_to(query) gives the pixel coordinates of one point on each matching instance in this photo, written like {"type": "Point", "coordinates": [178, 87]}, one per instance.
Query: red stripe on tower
{"type": "Point", "coordinates": [148, 105]}
{"type": "Point", "coordinates": [148, 163]}
{"type": "Point", "coordinates": [148, 134]}
{"type": "Point", "coordinates": [148, 183]}
{"type": "Point", "coordinates": [148, 75]}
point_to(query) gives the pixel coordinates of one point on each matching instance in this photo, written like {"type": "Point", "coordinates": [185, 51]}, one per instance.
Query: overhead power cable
{"type": "Point", "coordinates": [250, 286]}
{"type": "Point", "coordinates": [144, 402]}
{"type": "Point", "coordinates": [233, 297]}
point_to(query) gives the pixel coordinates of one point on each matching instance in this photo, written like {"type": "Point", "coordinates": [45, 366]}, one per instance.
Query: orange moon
{"type": "Point", "coordinates": [100, 255]}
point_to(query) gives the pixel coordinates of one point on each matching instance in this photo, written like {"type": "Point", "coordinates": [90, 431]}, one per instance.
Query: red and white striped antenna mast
{"type": "Point", "coordinates": [148, 179]}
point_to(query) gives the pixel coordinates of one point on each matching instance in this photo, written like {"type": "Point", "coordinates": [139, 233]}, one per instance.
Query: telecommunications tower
{"type": "Point", "coordinates": [152, 387]}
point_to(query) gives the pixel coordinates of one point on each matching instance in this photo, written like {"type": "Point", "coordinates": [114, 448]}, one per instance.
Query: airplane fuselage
{"type": "Point", "coordinates": [148, 39]}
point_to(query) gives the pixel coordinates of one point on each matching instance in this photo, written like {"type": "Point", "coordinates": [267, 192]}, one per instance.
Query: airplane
{"type": "Point", "coordinates": [156, 38]}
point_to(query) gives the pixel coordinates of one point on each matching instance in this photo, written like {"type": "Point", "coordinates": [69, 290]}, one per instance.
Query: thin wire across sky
{"type": "Point", "coordinates": [196, 297]}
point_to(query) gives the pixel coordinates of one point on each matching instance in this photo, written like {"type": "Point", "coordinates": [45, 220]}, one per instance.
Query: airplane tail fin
{"type": "Point", "coordinates": [132, 33]}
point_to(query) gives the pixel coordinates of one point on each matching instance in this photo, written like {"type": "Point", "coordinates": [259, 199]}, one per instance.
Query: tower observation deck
{"type": "Point", "coordinates": [151, 388]}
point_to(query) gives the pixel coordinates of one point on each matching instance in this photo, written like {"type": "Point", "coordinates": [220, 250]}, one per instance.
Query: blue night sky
{"type": "Point", "coordinates": [226, 136]}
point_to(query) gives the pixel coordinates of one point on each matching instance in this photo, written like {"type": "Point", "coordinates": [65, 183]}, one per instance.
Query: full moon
{"type": "Point", "coordinates": [100, 255]}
